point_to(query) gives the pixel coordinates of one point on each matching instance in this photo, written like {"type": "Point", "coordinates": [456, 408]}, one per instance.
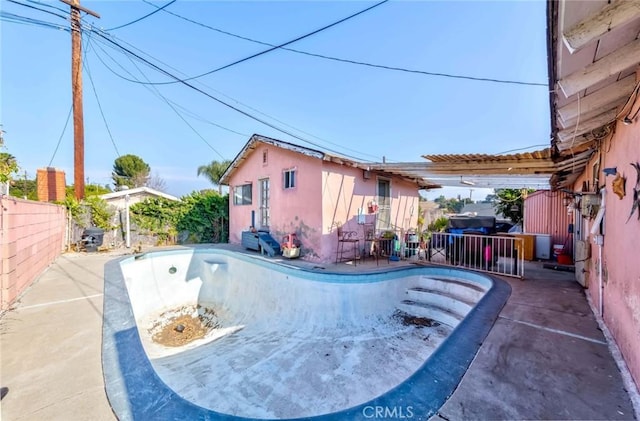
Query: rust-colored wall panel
{"type": "Point", "coordinates": [545, 213]}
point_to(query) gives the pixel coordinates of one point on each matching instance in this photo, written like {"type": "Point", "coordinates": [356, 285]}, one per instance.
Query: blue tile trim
{"type": "Point", "coordinates": [136, 392]}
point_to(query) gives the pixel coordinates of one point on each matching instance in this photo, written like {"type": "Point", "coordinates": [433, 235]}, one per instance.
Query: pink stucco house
{"type": "Point", "coordinates": [594, 72]}
{"type": "Point", "coordinates": [286, 188]}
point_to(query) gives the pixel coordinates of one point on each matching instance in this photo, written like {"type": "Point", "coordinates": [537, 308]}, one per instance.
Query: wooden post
{"type": "Point", "coordinates": [76, 91]}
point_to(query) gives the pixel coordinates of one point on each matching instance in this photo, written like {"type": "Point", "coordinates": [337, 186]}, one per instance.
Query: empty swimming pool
{"type": "Point", "coordinates": [209, 333]}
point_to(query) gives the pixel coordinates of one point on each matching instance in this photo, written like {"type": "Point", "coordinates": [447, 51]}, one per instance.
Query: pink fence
{"type": "Point", "coordinates": [32, 236]}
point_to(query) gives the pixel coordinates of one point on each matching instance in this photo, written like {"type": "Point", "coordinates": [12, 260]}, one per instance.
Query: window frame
{"type": "Point", "coordinates": [239, 192]}
{"type": "Point", "coordinates": [290, 178]}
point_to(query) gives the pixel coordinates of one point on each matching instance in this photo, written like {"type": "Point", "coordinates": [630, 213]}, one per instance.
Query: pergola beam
{"type": "Point", "coordinates": [609, 65]}
{"type": "Point", "coordinates": [610, 17]}
{"type": "Point", "coordinates": [571, 123]}
{"type": "Point", "coordinates": [567, 135]}
{"type": "Point", "coordinates": [599, 98]}
{"type": "Point", "coordinates": [524, 167]}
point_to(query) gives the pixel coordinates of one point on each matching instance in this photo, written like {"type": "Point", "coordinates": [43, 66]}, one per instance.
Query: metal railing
{"type": "Point", "coordinates": [502, 255]}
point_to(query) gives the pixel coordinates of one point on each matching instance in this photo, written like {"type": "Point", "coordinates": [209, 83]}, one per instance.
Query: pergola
{"type": "Point", "coordinates": [522, 170]}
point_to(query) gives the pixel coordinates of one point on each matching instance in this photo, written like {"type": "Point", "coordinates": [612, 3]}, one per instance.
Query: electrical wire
{"type": "Point", "coordinates": [39, 9]}
{"type": "Point", "coordinates": [157, 93]}
{"type": "Point", "coordinates": [24, 20]}
{"type": "Point", "coordinates": [232, 99]}
{"type": "Point", "coordinates": [48, 5]}
{"type": "Point", "coordinates": [204, 120]}
{"type": "Point", "coordinates": [522, 149]}
{"type": "Point", "coordinates": [85, 63]}
{"type": "Point", "coordinates": [142, 17]}
{"type": "Point", "coordinates": [64, 129]}
{"type": "Point", "coordinates": [356, 62]}
{"type": "Point", "coordinates": [268, 50]}
{"type": "Point", "coordinates": [226, 104]}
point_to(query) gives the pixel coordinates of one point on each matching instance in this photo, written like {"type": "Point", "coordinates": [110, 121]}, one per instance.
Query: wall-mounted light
{"type": "Point", "coordinates": [627, 121]}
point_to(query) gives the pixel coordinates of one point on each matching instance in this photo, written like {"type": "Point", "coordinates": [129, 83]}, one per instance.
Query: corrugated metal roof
{"type": "Point", "coordinates": [544, 154]}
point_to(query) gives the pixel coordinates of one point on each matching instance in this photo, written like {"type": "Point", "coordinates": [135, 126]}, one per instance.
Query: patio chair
{"type": "Point", "coordinates": [352, 250]}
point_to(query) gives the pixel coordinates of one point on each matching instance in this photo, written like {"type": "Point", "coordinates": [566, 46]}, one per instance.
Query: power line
{"type": "Point", "coordinates": [39, 9]}
{"type": "Point", "coordinates": [49, 6]}
{"type": "Point", "coordinates": [260, 120]}
{"type": "Point", "coordinates": [95, 92]}
{"type": "Point", "coordinates": [522, 149]}
{"type": "Point", "coordinates": [135, 80]}
{"type": "Point", "coordinates": [143, 17]}
{"type": "Point", "coordinates": [66, 123]}
{"type": "Point", "coordinates": [24, 20]}
{"type": "Point", "coordinates": [349, 61]}
{"type": "Point", "coordinates": [195, 88]}
{"type": "Point", "coordinates": [268, 50]}
{"type": "Point", "coordinates": [157, 93]}
{"type": "Point", "coordinates": [64, 129]}
{"type": "Point", "coordinates": [204, 120]}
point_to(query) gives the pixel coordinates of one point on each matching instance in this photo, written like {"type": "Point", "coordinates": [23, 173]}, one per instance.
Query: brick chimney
{"type": "Point", "coordinates": [51, 184]}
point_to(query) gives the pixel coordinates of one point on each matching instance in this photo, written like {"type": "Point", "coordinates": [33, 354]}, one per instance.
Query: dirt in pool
{"type": "Point", "coordinates": [181, 326]}
{"type": "Point", "coordinates": [408, 319]}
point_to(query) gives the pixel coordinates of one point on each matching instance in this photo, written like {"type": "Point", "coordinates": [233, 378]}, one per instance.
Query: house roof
{"type": "Point", "coordinates": [479, 209]}
{"type": "Point", "coordinates": [256, 140]}
{"type": "Point", "coordinates": [137, 190]}
{"type": "Point", "coordinates": [594, 52]}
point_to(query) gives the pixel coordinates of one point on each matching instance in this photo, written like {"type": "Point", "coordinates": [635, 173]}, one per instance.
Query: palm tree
{"type": "Point", "coordinates": [214, 172]}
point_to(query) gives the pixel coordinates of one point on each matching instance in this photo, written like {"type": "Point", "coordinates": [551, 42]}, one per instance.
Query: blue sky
{"type": "Point", "coordinates": [359, 111]}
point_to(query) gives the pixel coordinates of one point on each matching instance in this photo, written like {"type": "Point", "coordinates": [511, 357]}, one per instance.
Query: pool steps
{"type": "Point", "coordinates": [445, 300]}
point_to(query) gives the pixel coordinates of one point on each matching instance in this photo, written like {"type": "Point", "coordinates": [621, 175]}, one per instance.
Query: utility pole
{"type": "Point", "coordinates": [76, 91]}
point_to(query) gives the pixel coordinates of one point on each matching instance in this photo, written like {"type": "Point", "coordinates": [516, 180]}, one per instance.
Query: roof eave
{"type": "Point", "coordinates": [552, 55]}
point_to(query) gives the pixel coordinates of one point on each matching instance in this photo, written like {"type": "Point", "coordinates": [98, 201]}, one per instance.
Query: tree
{"type": "Point", "coordinates": [452, 205]}
{"type": "Point", "coordinates": [131, 171]}
{"type": "Point", "coordinates": [24, 188]}
{"type": "Point", "coordinates": [510, 203]}
{"type": "Point", "coordinates": [156, 182]}
{"type": "Point", "coordinates": [90, 190]}
{"type": "Point", "coordinates": [8, 167]}
{"type": "Point", "coordinates": [214, 171]}
{"type": "Point", "coordinates": [490, 198]}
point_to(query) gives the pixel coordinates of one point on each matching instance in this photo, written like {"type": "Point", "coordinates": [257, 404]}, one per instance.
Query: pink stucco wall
{"type": "Point", "coordinates": [345, 191]}
{"type": "Point", "coordinates": [32, 238]}
{"type": "Point", "coordinates": [296, 210]}
{"type": "Point", "coordinates": [326, 194]}
{"type": "Point", "coordinates": [620, 268]}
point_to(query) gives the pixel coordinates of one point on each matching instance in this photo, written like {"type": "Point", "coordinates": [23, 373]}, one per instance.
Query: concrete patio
{"type": "Point", "coordinates": [545, 357]}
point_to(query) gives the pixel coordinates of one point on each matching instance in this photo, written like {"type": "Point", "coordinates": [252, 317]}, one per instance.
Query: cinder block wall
{"type": "Point", "coordinates": [31, 238]}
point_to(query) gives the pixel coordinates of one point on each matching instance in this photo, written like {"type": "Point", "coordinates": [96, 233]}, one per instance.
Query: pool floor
{"type": "Point", "coordinates": [262, 373]}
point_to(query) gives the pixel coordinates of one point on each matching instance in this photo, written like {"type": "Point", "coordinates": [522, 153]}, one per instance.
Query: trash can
{"type": "Point", "coordinates": [92, 238]}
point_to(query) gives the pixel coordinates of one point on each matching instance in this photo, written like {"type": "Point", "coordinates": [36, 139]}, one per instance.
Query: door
{"type": "Point", "coordinates": [264, 204]}
{"type": "Point", "coordinates": [384, 204]}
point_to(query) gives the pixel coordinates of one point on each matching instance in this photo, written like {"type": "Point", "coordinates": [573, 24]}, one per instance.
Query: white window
{"type": "Point", "coordinates": [289, 178]}
{"type": "Point", "coordinates": [242, 194]}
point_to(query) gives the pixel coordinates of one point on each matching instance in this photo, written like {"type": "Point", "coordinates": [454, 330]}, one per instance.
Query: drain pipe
{"type": "Point", "coordinates": [599, 241]}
